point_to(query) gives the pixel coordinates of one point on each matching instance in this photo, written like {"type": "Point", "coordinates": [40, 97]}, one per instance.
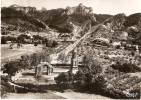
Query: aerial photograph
{"type": "Point", "coordinates": [70, 49]}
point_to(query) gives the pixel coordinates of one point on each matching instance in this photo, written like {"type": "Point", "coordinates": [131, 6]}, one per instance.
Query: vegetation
{"type": "Point", "coordinates": [114, 82]}
{"type": "Point", "coordinates": [11, 68]}
{"type": "Point", "coordinates": [132, 19]}
{"type": "Point", "coordinates": [20, 19]}
{"type": "Point", "coordinates": [5, 86]}
{"type": "Point", "coordinates": [65, 80]}
{"type": "Point", "coordinates": [126, 67]}
{"type": "Point", "coordinates": [26, 62]}
{"type": "Point", "coordinates": [24, 39]}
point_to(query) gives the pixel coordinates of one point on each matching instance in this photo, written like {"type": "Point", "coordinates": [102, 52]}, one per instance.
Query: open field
{"type": "Point", "coordinates": [27, 48]}
{"type": "Point", "coordinates": [28, 76]}
{"type": "Point", "coordinates": [15, 53]}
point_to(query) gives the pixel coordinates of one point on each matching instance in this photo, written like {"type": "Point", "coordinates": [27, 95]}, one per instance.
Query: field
{"type": "Point", "coordinates": [15, 53]}
{"type": "Point", "coordinates": [27, 76]}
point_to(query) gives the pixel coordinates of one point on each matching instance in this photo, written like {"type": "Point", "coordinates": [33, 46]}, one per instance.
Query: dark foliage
{"type": "Point", "coordinates": [20, 19]}
{"type": "Point", "coordinates": [26, 62]}
{"type": "Point", "coordinates": [126, 67]}
{"type": "Point", "coordinates": [11, 68]}
{"type": "Point", "coordinates": [102, 17]}
{"type": "Point", "coordinates": [5, 86]}
{"type": "Point", "coordinates": [65, 80]}
{"type": "Point", "coordinates": [133, 19]}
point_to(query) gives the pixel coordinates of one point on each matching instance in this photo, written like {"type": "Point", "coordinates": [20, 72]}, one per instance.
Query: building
{"type": "Point", "coordinates": [74, 62]}
{"type": "Point", "coordinates": [124, 35]}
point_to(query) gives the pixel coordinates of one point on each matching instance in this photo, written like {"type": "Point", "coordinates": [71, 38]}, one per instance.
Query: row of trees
{"type": "Point", "coordinates": [36, 39]}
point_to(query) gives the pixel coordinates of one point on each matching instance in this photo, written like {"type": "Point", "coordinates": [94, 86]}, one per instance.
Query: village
{"type": "Point", "coordinates": [69, 53]}
{"type": "Point", "coordinates": [44, 72]}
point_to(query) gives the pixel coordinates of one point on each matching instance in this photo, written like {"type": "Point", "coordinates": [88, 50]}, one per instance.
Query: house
{"type": "Point", "coordinates": [64, 36]}
{"type": "Point", "coordinates": [135, 47]}
{"type": "Point", "coordinates": [101, 41]}
{"type": "Point", "coordinates": [132, 47]}
{"type": "Point", "coordinates": [116, 44]}
{"type": "Point", "coordinates": [124, 35]}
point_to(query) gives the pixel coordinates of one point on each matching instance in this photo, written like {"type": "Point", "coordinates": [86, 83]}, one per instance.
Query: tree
{"type": "Point", "coordinates": [54, 43]}
{"type": "Point", "coordinates": [11, 68]}
{"type": "Point", "coordinates": [3, 40]}
{"type": "Point", "coordinates": [35, 44]}
{"type": "Point", "coordinates": [65, 79]}
{"type": "Point", "coordinates": [99, 84]}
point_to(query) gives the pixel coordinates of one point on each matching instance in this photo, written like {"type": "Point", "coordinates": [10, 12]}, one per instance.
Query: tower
{"type": "Point", "coordinates": [38, 70]}
{"type": "Point", "coordinates": [74, 62]}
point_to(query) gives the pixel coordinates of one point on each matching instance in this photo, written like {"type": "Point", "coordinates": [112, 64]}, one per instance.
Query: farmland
{"type": "Point", "coordinates": [16, 53]}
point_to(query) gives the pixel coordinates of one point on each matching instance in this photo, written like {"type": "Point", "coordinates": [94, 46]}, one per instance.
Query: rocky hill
{"type": "Point", "coordinates": [72, 19]}
{"type": "Point", "coordinates": [80, 9]}
{"type": "Point", "coordinates": [78, 15]}
{"type": "Point", "coordinates": [121, 27]}
{"type": "Point", "coordinates": [24, 9]}
{"type": "Point", "coordinates": [20, 20]}
{"type": "Point", "coordinates": [59, 19]}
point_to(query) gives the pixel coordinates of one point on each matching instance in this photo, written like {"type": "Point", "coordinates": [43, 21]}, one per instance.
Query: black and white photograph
{"type": "Point", "coordinates": [70, 49]}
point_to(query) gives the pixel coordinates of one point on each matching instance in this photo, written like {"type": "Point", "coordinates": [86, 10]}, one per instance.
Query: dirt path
{"type": "Point", "coordinates": [33, 96]}
{"type": "Point", "coordinates": [77, 95]}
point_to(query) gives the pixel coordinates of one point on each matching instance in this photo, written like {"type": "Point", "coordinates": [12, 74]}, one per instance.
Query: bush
{"type": "Point", "coordinates": [126, 67]}
{"type": "Point", "coordinates": [5, 86]}
{"type": "Point", "coordinates": [65, 80]}
{"type": "Point", "coordinates": [3, 40]}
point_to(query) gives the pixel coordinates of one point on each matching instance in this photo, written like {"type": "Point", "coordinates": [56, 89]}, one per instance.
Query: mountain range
{"type": "Point", "coordinates": [55, 18]}
{"type": "Point", "coordinates": [64, 20]}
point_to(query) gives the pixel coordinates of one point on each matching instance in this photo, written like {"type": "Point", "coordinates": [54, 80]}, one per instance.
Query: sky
{"type": "Point", "coordinates": [99, 6]}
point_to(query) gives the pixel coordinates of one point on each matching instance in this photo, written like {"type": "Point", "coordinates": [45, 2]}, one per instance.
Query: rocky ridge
{"type": "Point", "coordinates": [24, 9]}
{"type": "Point", "coordinates": [80, 10]}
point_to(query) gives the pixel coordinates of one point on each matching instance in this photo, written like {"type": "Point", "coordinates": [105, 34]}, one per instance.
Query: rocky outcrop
{"type": "Point", "coordinates": [80, 10]}
{"type": "Point", "coordinates": [24, 9]}
{"type": "Point", "coordinates": [117, 22]}
{"type": "Point", "coordinates": [43, 9]}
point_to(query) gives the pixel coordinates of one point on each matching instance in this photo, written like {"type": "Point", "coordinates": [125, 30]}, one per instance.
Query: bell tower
{"type": "Point", "coordinates": [74, 62]}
